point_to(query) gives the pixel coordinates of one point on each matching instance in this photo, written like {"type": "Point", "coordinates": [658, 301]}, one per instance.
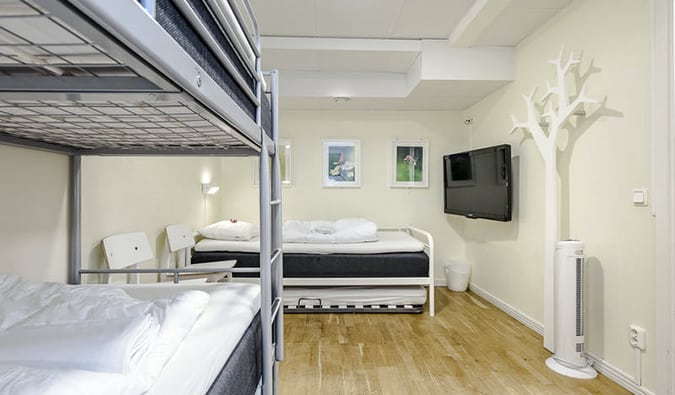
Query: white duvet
{"type": "Point", "coordinates": [346, 230]}
{"type": "Point", "coordinates": [19, 379]}
{"type": "Point", "coordinates": [53, 335]}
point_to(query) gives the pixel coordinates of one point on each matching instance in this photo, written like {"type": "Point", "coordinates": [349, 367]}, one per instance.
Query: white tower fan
{"type": "Point", "coordinates": [569, 358]}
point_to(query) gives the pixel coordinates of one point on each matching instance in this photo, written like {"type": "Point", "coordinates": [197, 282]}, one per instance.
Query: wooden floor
{"type": "Point", "coordinates": [470, 347]}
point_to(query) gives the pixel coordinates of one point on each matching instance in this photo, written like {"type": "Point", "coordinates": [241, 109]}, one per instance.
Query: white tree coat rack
{"type": "Point", "coordinates": [557, 112]}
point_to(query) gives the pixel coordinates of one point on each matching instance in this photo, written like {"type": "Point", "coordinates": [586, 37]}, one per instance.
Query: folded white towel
{"type": "Point", "coordinates": [324, 230]}
{"type": "Point", "coordinates": [347, 230]}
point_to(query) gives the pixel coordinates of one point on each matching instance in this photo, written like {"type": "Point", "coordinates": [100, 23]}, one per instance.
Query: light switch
{"type": "Point", "coordinates": [640, 197]}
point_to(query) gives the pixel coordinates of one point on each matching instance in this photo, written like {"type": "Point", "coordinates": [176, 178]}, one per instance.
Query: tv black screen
{"type": "Point", "coordinates": [478, 183]}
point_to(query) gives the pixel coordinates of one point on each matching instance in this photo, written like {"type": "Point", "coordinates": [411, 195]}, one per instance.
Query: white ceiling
{"type": "Point", "coordinates": [394, 54]}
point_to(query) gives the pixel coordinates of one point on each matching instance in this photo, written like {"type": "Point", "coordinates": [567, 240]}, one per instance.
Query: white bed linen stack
{"type": "Point", "coordinates": [346, 230]}
{"type": "Point", "coordinates": [387, 241]}
{"type": "Point", "coordinates": [62, 339]}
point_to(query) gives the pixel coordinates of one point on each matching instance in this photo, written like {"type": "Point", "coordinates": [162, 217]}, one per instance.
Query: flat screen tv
{"type": "Point", "coordinates": [478, 183]}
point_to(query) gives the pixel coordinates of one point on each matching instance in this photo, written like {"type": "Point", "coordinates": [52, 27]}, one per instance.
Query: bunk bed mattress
{"type": "Point", "coordinates": [404, 264]}
{"type": "Point", "coordinates": [59, 338]}
{"type": "Point", "coordinates": [172, 20]}
{"type": "Point", "coordinates": [224, 343]}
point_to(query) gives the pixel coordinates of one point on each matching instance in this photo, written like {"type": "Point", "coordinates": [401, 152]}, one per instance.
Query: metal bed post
{"type": "Point", "coordinates": [429, 249]}
{"type": "Point", "coordinates": [75, 225]}
{"type": "Point", "coordinates": [432, 277]}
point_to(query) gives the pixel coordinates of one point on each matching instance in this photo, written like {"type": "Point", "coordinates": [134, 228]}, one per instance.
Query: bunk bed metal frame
{"type": "Point", "coordinates": [109, 80]}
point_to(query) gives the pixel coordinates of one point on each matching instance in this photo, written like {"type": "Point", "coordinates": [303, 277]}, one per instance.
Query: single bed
{"type": "Point", "coordinates": [210, 325]}
{"type": "Point", "coordinates": [147, 77]}
{"type": "Point", "coordinates": [401, 257]}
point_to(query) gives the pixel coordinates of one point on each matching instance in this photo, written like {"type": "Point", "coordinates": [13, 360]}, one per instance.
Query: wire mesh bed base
{"type": "Point", "coordinates": [112, 76]}
{"type": "Point", "coordinates": [355, 299]}
{"type": "Point", "coordinates": [374, 308]}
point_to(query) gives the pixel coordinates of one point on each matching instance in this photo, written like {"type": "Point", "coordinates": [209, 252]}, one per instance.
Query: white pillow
{"type": "Point", "coordinates": [228, 230]}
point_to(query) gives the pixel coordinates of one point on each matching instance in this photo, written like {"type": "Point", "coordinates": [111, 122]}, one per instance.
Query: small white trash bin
{"type": "Point", "coordinates": [457, 275]}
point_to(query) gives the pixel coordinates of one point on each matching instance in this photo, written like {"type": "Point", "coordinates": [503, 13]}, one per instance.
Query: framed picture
{"type": "Point", "coordinates": [410, 164]}
{"type": "Point", "coordinates": [284, 162]}
{"type": "Point", "coordinates": [341, 163]}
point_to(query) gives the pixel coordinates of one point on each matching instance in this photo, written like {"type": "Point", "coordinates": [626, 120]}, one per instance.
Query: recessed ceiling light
{"type": "Point", "coordinates": [341, 99]}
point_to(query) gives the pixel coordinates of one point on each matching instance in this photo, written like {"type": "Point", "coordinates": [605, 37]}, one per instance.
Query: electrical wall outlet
{"type": "Point", "coordinates": [637, 337]}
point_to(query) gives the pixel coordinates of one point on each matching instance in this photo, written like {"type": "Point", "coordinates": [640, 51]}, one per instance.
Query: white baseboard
{"type": "Point", "coordinates": [611, 372]}
{"type": "Point", "coordinates": [617, 375]}
{"type": "Point", "coordinates": [508, 309]}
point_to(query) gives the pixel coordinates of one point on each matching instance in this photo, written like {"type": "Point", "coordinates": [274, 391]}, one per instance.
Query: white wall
{"type": "Point", "coordinates": [375, 199]}
{"type": "Point", "coordinates": [33, 213]}
{"type": "Point", "coordinates": [609, 155]}
{"type": "Point", "coordinates": [119, 194]}
{"type": "Point", "coordinates": [143, 194]}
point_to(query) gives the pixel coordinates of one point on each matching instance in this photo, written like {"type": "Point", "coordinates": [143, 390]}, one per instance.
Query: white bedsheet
{"type": "Point", "coordinates": [227, 312]}
{"type": "Point", "coordinates": [24, 380]}
{"type": "Point", "coordinates": [387, 241]}
{"type": "Point", "coordinates": [27, 305]}
{"type": "Point", "coordinates": [113, 346]}
{"type": "Point", "coordinates": [202, 354]}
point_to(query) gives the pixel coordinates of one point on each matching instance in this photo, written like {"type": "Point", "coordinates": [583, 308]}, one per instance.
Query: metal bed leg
{"type": "Point", "coordinates": [432, 298]}
{"type": "Point", "coordinates": [75, 225]}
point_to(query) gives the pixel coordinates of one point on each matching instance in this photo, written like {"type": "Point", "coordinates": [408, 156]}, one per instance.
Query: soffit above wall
{"type": "Point", "coordinates": [365, 49]}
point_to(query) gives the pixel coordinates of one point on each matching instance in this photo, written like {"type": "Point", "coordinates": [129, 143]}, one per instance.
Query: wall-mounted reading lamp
{"type": "Point", "coordinates": [209, 188]}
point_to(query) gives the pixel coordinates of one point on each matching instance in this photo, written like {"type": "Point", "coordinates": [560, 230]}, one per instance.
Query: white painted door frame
{"type": "Point", "coordinates": [663, 184]}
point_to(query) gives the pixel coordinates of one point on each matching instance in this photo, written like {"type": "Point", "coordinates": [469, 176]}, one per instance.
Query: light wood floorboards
{"type": "Point", "coordinates": [470, 347]}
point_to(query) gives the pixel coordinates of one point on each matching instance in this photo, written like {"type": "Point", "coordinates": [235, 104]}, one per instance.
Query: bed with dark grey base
{"type": "Point", "coordinates": [242, 371]}
{"type": "Point", "coordinates": [225, 342]}
{"type": "Point", "coordinates": [131, 339]}
{"type": "Point", "coordinates": [394, 264]}
{"type": "Point", "coordinates": [401, 257]}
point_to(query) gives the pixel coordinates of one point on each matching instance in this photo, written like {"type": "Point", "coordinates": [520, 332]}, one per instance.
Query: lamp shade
{"type": "Point", "coordinates": [209, 188]}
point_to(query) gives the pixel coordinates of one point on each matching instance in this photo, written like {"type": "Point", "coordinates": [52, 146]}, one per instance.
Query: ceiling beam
{"type": "Point", "coordinates": [440, 62]}
{"type": "Point", "coordinates": [435, 62]}
{"type": "Point", "coordinates": [349, 84]}
{"type": "Point", "coordinates": [479, 17]}
{"type": "Point", "coordinates": [340, 44]}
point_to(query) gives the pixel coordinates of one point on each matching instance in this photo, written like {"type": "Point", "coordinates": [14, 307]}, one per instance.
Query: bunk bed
{"type": "Point", "coordinates": [148, 77]}
{"type": "Point", "coordinates": [376, 276]}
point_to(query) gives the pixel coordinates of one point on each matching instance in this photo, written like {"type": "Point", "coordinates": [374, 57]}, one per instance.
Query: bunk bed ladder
{"type": "Point", "coordinates": [271, 256]}
{"type": "Point", "coordinates": [277, 221]}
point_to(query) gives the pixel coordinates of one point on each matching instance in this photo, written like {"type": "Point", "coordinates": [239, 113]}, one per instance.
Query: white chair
{"type": "Point", "coordinates": [126, 250]}
{"type": "Point", "coordinates": [179, 241]}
